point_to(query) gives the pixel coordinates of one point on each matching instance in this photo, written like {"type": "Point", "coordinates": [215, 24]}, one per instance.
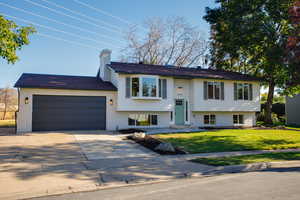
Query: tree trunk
{"type": "Point", "coordinates": [268, 110]}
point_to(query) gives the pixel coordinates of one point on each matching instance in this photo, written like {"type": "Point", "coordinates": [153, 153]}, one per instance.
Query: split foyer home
{"type": "Point", "coordinates": [127, 95]}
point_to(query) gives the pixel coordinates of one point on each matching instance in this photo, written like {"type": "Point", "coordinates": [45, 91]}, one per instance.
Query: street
{"type": "Point", "coordinates": [273, 184]}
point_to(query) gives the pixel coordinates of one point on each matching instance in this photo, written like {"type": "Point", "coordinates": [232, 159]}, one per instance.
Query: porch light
{"type": "Point", "coordinates": [111, 102]}
{"type": "Point", "coordinates": [26, 100]}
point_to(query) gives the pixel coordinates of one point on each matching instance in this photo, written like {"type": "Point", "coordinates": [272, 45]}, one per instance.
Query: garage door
{"type": "Point", "coordinates": [52, 113]}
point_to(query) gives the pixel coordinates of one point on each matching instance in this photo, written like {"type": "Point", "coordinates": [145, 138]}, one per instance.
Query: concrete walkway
{"type": "Point", "coordinates": [233, 153]}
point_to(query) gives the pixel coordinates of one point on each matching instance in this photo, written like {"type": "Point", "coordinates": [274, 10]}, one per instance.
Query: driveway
{"type": "Point", "coordinates": [42, 163]}
{"type": "Point", "coordinates": [39, 164]}
{"type": "Point", "coordinates": [106, 146]}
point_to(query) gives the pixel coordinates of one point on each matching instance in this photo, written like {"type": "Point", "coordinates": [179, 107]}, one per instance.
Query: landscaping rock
{"type": "Point", "coordinates": [139, 135]}
{"type": "Point", "coordinates": [167, 147]}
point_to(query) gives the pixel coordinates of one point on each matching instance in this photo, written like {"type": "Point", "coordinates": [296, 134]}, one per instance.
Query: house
{"type": "Point", "coordinates": [292, 108]}
{"type": "Point", "coordinates": [124, 95]}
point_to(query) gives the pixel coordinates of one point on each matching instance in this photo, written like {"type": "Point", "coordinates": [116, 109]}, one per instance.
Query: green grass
{"type": "Point", "coordinates": [240, 160]}
{"type": "Point", "coordinates": [234, 140]}
{"type": "Point", "coordinates": [293, 128]}
{"type": "Point", "coordinates": [7, 123]}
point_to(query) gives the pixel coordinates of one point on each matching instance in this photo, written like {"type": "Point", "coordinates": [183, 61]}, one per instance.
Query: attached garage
{"type": "Point", "coordinates": [54, 112]}
{"type": "Point", "coordinates": [58, 103]}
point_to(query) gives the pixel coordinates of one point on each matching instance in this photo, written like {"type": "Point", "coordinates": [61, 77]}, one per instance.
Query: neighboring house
{"type": "Point", "coordinates": [125, 95]}
{"type": "Point", "coordinates": [292, 109]}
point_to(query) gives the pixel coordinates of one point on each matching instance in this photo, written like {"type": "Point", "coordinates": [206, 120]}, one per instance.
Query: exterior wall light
{"type": "Point", "coordinates": [111, 102]}
{"type": "Point", "coordinates": [26, 100]}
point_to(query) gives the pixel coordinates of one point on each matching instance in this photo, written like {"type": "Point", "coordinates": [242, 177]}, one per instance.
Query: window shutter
{"type": "Point", "coordinates": [205, 90]}
{"type": "Point", "coordinates": [159, 88]}
{"type": "Point", "coordinates": [250, 92]}
{"type": "Point", "coordinates": [127, 87]}
{"type": "Point", "coordinates": [164, 90]}
{"type": "Point", "coordinates": [235, 91]}
{"type": "Point", "coordinates": [222, 90]}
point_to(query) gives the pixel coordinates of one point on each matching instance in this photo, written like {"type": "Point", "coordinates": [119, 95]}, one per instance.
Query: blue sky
{"type": "Point", "coordinates": [98, 31]}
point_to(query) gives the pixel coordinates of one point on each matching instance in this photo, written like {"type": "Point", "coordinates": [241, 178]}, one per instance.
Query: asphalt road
{"type": "Point", "coordinates": [273, 184]}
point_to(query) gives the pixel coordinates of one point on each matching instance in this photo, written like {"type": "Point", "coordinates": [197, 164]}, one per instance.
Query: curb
{"type": "Point", "coordinates": [247, 168]}
{"type": "Point", "coordinates": [214, 172]}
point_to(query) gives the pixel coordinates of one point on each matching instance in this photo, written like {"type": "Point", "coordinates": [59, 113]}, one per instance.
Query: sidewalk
{"type": "Point", "coordinates": [232, 153]}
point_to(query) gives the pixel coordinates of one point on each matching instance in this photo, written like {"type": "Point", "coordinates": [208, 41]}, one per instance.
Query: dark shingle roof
{"type": "Point", "coordinates": [63, 82]}
{"type": "Point", "coordinates": [180, 72]}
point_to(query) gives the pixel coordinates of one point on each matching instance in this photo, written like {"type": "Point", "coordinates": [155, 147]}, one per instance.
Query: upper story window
{"type": "Point", "coordinates": [243, 91]}
{"type": "Point", "coordinates": [149, 87]}
{"type": "Point", "coordinates": [213, 90]}
{"type": "Point", "coordinates": [146, 87]}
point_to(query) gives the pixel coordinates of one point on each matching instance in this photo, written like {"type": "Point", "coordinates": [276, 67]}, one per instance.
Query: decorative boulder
{"type": "Point", "coordinates": [139, 135]}
{"type": "Point", "coordinates": [166, 147]}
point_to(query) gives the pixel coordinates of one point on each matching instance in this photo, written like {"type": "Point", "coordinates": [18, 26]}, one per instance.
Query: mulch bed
{"type": "Point", "coordinates": [150, 143]}
{"type": "Point", "coordinates": [131, 130]}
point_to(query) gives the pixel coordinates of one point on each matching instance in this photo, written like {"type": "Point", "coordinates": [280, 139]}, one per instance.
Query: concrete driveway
{"type": "Point", "coordinates": [42, 163]}
{"type": "Point", "coordinates": [106, 146]}
{"type": "Point", "coordinates": [39, 164]}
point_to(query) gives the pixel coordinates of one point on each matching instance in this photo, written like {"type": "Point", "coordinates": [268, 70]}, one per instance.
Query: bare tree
{"type": "Point", "coordinates": [8, 98]}
{"type": "Point", "coordinates": [168, 42]}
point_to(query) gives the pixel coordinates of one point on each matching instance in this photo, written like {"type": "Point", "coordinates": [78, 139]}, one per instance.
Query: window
{"type": "Point", "coordinates": [142, 120]}
{"type": "Point", "coordinates": [214, 90]}
{"type": "Point", "coordinates": [135, 87]}
{"type": "Point", "coordinates": [243, 91]}
{"type": "Point", "coordinates": [144, 87]}
{"type": "Point", "coordinates": [149, 87]}
{"type": "Point", "coordinates": [210, 119]}
{"type": "Point", "coordinates": [238, 119]}
{"type": "Point", "coordinates": [171, 116]}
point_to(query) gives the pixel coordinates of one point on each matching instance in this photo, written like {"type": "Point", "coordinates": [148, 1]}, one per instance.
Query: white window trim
{"type": "Point", "coordinates": [135, 126]}
{"type": "Point", "coordinates": [214, 92]}
{"type": "Point", "coordinates": [209, 114]}
{"type": "Point", "coordinates": [243, 91]}
{"type": "Point", "coordinates": [140, 77]}
{"type": "Point", "coordinates": [238, 124]}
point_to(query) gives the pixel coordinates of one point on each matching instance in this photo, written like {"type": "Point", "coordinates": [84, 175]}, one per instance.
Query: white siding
{"type": "Point", "coordinates": [228, 104]}
{"type": "Point", "coordinates": [114, 77]}
{"type": "Point", "coordinates": [163, 119]}
{"type": "Point", "coordinates": [129, 104]}
{"type": "Point", "coordinates": [223, 119]}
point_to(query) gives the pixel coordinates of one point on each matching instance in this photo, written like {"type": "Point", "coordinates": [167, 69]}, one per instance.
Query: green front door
{"type": "Point", "coordinates": [179, 112]}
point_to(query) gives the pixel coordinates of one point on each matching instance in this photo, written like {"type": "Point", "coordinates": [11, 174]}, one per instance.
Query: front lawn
{"type": "Point", "coordinates": [241, 160]}
{"type": "Point", "coordinates": [293, 128]}
{"type": "Point", "coordinates": [7, 123]}
{"type": "Point", "coordinates": [233, 140]}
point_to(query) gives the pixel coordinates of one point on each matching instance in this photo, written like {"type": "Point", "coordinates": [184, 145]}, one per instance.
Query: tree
{"type": "Point", "coordinates": [12, 38]}
{"type": "Point", "coordinates": [251, 36]}
{"type": "Point", "coordinates": [168, 42]}
{"type": "Point", "coordinates": [9, 100]}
